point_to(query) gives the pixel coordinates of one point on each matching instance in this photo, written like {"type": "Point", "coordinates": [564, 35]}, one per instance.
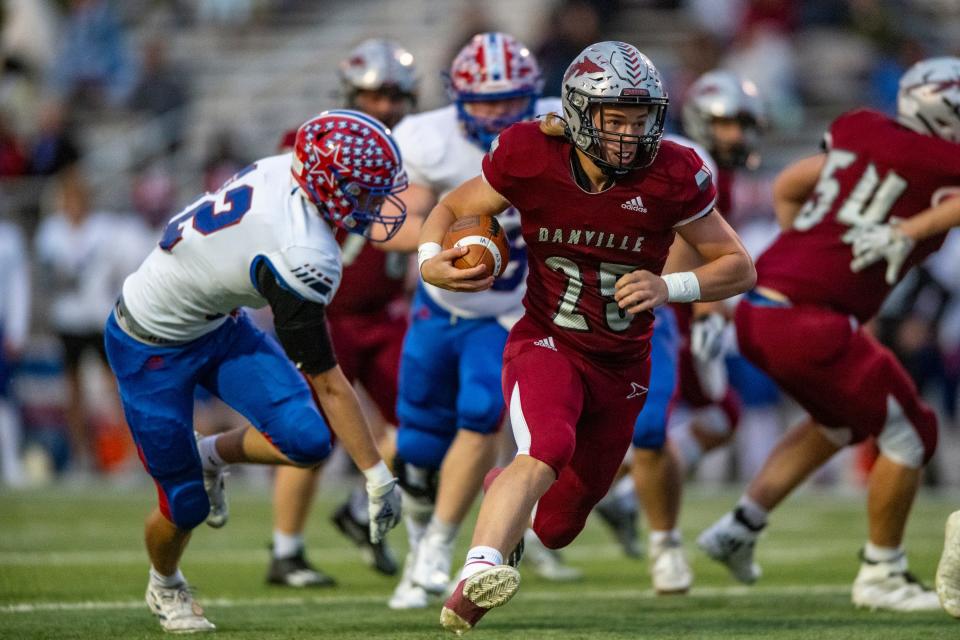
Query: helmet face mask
{"type": "Point", "coordinates": [614, 77]}
{"type": "Point", "coordinates": [723, 112]}
{"type": "Point", "coordinates": [494, 81]}
{"type": "Point", "coordinates": [929, 98]}
{"type": "Point", "coordinates": [348, 166]}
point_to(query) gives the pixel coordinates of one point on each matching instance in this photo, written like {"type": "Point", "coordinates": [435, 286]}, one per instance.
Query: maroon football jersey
{"type": "Point", "coordinates": [580, 243]}
{"type": "Point", "coordinates": [372, 278]}
{"type": "Point", "coordinates": [876, 170]}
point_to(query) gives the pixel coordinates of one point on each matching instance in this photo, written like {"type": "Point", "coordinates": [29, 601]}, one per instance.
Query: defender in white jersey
{"type": "Point", "coordinates": [264, 238]}
{"type": "Point", "coordinates": [450, 403]}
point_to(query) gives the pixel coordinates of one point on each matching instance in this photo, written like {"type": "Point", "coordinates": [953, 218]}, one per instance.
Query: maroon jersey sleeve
{"type": "Point", "coordinates": [514, 157]}
{"type": "Point", "coordinates": [699, 193]}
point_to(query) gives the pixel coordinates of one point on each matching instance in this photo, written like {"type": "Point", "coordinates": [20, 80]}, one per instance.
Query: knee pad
{"type": "Point", "coordinates": [650, 432]}
{"type": "Point", "coordinates": [559, 529]}
{"type": "Point", "coordinates": [309, 443]}
{"type": "Point", "coordinates": [185, 504]}
{"type": "Point", "coordinates": [909, 440]}
{"type": "Point", "coordinates": [423, 448]}
{"type": "Point", "coordinates": [418, 482]}
{"type": "Point", "coordinates": [480, 407]}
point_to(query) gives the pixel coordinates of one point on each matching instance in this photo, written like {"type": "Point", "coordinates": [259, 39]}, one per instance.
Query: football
{"type": "Point", "coordinates": [485, 239]}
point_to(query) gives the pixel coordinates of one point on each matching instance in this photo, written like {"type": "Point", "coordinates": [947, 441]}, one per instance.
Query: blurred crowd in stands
{"type": "Point", "coordinates": [72, 69]}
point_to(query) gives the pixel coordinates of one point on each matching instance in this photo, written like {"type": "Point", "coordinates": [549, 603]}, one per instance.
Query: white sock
{"type": "Point", "coordinates": [358, 505]}
{"type": "Point", "coordinates": [874, 553]}
{"type": "Point", "coordinates": [480, 558]}
{"type": "Point", "coordinates": [445, 531]}
{"type": "Point", "coordinates": [167, 582]}
{"type": "Point", "coordinates": [286, 545]}
{"type": "Point", "coordinates": [663, 538]}
{"type": "Point", "coordinates": [211, 459]}
{"type": "Point", "coordinates": [750, 513]}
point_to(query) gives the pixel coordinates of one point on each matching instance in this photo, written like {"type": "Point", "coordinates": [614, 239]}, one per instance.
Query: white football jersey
{"type": "Point", "coordinates": [82, 265]}
{"type": "Point", "coordinates": [437, 155]}
{"type": "Point", "coordinates": [205, 264]}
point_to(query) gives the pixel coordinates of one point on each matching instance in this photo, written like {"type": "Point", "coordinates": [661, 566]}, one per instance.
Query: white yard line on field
{"type": "Point", "coordinates": [542, 596]}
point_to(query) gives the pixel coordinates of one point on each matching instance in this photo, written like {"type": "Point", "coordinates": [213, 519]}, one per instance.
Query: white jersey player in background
{"type": "Point", "coordinates": [14, 328]}
{"type": "Point", "coordinates": [450, 400]}
{"type": "Point", "coordinates": [266, 237]}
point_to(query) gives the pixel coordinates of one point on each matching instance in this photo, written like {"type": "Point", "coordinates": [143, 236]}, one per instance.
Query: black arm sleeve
{"type": "Point", "coordinates": [301, 325]}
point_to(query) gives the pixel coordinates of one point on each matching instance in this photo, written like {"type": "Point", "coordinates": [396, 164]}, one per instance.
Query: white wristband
{"type": "Point", "coordinates": [378, 475]}
{"type": "Point", "coordinates": [682, 286]}
{"type": "Point", "coordinates": [426, 251]}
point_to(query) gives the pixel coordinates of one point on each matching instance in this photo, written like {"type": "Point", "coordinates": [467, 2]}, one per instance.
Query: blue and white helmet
{"type": "Point", "coordinates": [493, 66]}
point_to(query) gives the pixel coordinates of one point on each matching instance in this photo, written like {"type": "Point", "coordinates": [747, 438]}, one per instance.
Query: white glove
{"type": "Point", "coordinates": [383, 504]}
{"type": "Point", "coordinates": [706, 336]}
{"type": "Point", "coordinates": [872, 243]}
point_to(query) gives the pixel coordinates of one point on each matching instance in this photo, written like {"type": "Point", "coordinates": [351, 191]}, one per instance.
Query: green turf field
{"type": "Point", "coordinates": [72, 566]}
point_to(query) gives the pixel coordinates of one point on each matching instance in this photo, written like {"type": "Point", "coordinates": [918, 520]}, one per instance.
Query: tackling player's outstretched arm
{"type": "Point", "coordinates": [474, 197]}
{"type": "Point", "coordinates": [301, 327]}
{"type": "Point", "coordinates": [793, 186]}
{"type": "Point", "coordinates": [728, 270]}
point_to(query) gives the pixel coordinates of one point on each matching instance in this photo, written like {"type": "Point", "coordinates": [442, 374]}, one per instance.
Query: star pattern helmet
{"type": "Point", "coordinates": [724, 95]}
{"type": "Point", "coordinates": [348, 165]}
{"type": "Point", "coordinates": [613, 73]}
{"type": "Point", "coordinates": [378, 65]}
{"type": "Point", "coordinates": [929, 98]}
{"type": "Point", "coordinates": [493, 66]}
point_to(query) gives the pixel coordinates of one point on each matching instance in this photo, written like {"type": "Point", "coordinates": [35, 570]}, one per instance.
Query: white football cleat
{"type": "Point", "coordinates": [948, 571]}
{"type": "Point", "coordinates": [216, 493]}
{"type": "Point", "coordinates": [176, 609]}
{"type": "Point", "coordinates": [407, 595]}
{"type": "Point", "coordinates": [669, 569]}
{"type": "Point", "coordinates": [431, 568]}
{"type": "Point", "coordinates": [546, 563]}
{"type": "Point", "coordinates": [730, 542]}
{"type": "Point", "coordinates": [888, 585]}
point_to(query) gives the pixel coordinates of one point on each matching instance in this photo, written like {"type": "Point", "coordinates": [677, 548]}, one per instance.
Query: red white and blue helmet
{"type": "Point", "coordinates": [493, 66]}
{"type": "Point", "coordinates": [348, 165]}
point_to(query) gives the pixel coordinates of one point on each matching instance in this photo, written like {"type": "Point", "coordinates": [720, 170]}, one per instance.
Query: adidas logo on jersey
{"type": "Point", "coordinates": [634, 204]}
{"type": "Point", "coordinates": [546, 343]}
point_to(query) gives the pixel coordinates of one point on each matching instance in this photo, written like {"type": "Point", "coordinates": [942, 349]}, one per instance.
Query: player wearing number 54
{"type": "Point", "coordinates": [266, 237]}
{"type": "Point", "coordinates": [882, 191]}
{"type": "Point", "coordinates": [601, 199]}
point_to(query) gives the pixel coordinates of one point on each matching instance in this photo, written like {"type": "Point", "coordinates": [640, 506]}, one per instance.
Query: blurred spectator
{"type": "Point", "coordinates": [13, 161]}
{"type": "Point", "coordinates": [225, 12]}
{"type": "Point", "coordinates": [154, 195]}
{"type": "Point", "coordinates": [162, 91]}
{"type": "Point", "coordinates": [720, 18]}
{"type": "Point", "coordinates": [572, 26]}
{"type": "Point", "coordinates": [222, 161]}
{"type": "Point", "coordinates": [53, 148]}
{"type": "Point", "coordinates": [29, 33]}
{"type": "Point", "coordinates": [94, 67]}
{"type": "Point", "coordinates": [888, 67]}
{"type": "Point", "coordinates": [14, 326]}
{"type": "Point", "coordinates": [19, 96]}
{"type": "Point", "coordinates": [84, 256]}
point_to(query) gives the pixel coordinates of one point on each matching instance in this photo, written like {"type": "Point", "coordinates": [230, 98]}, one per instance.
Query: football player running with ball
{"type": "Point", "coordinates": [450, 402]}
{"type": "Point", "coordinates": [266, 237]}
{"type": "Point", "coordinates": [577, 365]}
{"type": "Point", "coordinates": [883, 189]}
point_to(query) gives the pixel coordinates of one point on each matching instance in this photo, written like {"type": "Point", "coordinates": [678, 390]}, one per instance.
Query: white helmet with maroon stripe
{"type": "Point", "coordinates": [724, 95]}
{"type": "Point", "coordinates": [929, 98]}
{"type": "Point", "coordinates": [493, 66]}
{"type": "Point", "coordinates": [613, 73]}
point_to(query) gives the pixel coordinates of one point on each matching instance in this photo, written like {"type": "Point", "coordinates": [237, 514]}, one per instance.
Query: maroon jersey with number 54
{"type": "Point", "coordinates": [580, 243]}
{"type": "Point", "coordinates": [876, 170]}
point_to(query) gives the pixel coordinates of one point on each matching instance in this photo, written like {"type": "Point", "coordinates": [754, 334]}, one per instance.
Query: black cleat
{"type": "Point", "coordinates": [297, 572]}
{"type": "Point", "coordinates": [623, 525]}
{"type": "Point", "coordinates": [379, 556]}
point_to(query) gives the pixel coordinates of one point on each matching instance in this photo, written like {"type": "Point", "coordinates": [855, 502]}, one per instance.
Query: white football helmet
{"type": "Point", "coordinates": [724, 95]}
{"type": "Point", "coordinates": [378, 65]}
{"type": "Point", "coordinates": [613, 73]}
{"type": "Point", "coordinates": [929, 98]}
